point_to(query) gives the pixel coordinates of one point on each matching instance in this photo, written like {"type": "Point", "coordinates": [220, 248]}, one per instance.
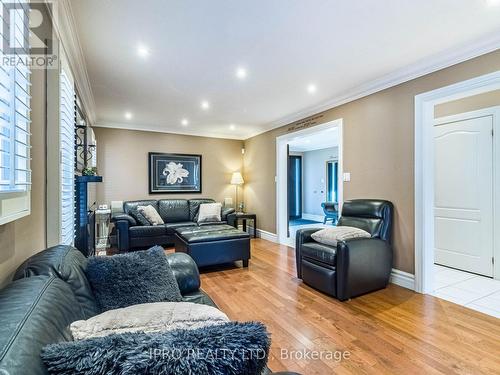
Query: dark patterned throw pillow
{"type": "Point", "coordinates": [139, 217]}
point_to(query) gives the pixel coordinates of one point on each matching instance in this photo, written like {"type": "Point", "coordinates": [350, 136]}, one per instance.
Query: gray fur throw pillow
{"type": "Point", "coordinates": [226, 349]}
{"type": "Point", "coordinates": [129, 279]}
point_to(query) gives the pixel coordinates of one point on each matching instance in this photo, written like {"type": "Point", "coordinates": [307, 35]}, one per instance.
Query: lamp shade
{"type": "Point", "coordinates": [237, 179]}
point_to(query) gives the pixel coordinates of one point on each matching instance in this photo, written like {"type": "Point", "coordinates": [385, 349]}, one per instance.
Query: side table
{"type": "Point", "coordinates": [233, 219]}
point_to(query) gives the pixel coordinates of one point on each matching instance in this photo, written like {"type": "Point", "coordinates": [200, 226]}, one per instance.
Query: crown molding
{"type": "Point", "coordinates": [65, 28]}
{"type": "Point", "coordinates": [146, 128]}
{"type": "Point", "coordinates": [433, 64]}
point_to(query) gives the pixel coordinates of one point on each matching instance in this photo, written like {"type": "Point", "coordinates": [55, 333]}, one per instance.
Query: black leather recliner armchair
{"type": "Point", "coordinates": [353, 267]}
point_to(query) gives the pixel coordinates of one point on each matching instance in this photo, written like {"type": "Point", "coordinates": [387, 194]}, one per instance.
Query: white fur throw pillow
{"type": "Point", "coordinates": [151, 215]}
{"type": "Point", "coordinates": [331, 236]}
{"type": "Point", "coordinates": [209, 212]}
{"type": "Point", "coordinates": [148, 317]}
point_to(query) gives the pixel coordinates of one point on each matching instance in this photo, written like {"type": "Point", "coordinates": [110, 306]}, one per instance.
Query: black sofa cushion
{"type": "Point", "coordinates": [68, 264]}
{"type": "Point", "coordinates": [148, 231]}
{"type": "Point", "coordinates": [132, 205]}
{"type": "Point", "coordinates": [319, 252]}
{"type": "Point", "coordinates": [130, 279]}
{"type": "Point", "coordinates": [173, 210]}
{"type": "Point", "coordinates": [208, 233]}
{"type": "Point", "coordinates": [34, 311]}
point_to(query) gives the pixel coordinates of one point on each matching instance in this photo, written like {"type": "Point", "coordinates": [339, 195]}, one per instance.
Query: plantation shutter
{"type": "Point", "coordinates": [67, 155]}
{"type": "Point", "coordinates": [15, 173]}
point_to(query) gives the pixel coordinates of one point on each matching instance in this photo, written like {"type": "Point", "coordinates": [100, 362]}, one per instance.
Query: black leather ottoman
{"type": "Point", "coordinates": [213, 244]}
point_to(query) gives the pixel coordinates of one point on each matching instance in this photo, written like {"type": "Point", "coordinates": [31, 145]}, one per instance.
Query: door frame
{"type": "Point", "coordinates": [424, 171]}
{"type": "Point", "coordinates": [281, 174]}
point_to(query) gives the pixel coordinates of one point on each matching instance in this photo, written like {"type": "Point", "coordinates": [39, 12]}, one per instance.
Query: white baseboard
{"type": "Point", "coordinates": [265, 235]}
{"type": "Point", "coordinates": [313, 217]}
{"type": "Point", "coordinates": [403, 279]}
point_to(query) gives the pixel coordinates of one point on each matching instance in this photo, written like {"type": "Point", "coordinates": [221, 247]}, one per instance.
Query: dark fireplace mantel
{"type": "Point", "coordinates": [84, 239]}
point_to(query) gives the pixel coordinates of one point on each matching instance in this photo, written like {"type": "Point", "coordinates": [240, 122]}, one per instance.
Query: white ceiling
{"type": "Point", "coordinates": [196, 46]}
{"type": "Point", "coordinates": [317, 141]}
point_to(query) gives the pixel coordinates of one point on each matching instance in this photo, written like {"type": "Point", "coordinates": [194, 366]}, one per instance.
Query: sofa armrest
{"type": "Point", "coordinates": [226, 211]}
{"type": "Point", "coordinates": [363, 265]}
{"type": "Point", "coordinates": [122, 222]}
{"type": "Point", "coordinates": [124, 216]}
{"type": "Point", "coordinates": [185, 271]}
{"type": "Point", "coordinates": [302, 236]}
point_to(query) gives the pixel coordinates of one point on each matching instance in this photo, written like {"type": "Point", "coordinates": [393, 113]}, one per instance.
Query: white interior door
{"type": "Point", "coordinates": [463, 204]}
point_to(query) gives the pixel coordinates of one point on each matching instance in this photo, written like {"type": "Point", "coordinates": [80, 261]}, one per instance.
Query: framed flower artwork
{"type": "Point", "coordinates": [174, 173]}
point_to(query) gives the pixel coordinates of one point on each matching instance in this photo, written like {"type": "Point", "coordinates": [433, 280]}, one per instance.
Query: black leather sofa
{"type": "Point", "coordinates": [176, 213]}
{"type": "Point", "coordinates": [49, 292]}
{"type": "Point", "coordinates": [353, 267]}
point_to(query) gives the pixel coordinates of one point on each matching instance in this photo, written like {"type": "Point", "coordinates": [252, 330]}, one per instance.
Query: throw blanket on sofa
{"type": "Point", "coordinates": [148, 317]}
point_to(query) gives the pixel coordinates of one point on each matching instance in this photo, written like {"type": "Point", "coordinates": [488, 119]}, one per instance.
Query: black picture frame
{"type": "Point", "coordinates": [188, 178]}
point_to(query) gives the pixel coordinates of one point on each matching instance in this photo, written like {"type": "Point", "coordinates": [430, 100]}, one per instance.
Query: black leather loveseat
{"type": "Point", "coordinates": [176, 213]}
{"type": "Point", "coordinates": [353, 267]}
{"type": "Point", "coordinates": [49, 292]}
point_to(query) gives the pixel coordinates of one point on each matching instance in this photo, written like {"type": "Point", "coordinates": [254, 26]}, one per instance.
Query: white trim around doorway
{"type": "Point", "coordinates": [424, 171]}
{"type": "Point", "coordinates": [281, 173]}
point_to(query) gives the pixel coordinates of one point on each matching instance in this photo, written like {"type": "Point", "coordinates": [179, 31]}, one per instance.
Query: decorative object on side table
{"type": "Point", "coordinates": [232, 219]}
{"type": "Point", "coordinates": [237, 180]}
{"type": "Point", "coordinates": [174, 173]}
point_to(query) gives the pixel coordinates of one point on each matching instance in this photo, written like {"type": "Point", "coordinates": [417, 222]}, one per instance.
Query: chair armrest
{"type": "Point", "coordinates": [363, 265]}
{"type": "Point", "coordinates": [226, 211]}
{"type": "Point", "coordinates": [302, 236]}
{"type": "Point", "coordinates": [124, 216]}
{"type": "Point", "coordinates": [185, 271]}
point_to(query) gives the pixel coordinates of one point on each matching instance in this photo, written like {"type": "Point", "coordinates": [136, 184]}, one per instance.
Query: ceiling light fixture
{"type": "Point", "coordinates": [205, 105]}
{"type": "Point", "coordinates": [143, 51]}
{"type": "Point", "coordinates": [128, 115]}
{"type": "Point", "coordinates": [311, 88]}
{"type": "Point", "coordinates": [184, 122]}
{"type": "Point", "coordinates": [241, 73]}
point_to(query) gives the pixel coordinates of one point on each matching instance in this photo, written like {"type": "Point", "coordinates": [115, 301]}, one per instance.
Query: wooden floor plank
{"type": "Point", "coordinates": [392, 331]}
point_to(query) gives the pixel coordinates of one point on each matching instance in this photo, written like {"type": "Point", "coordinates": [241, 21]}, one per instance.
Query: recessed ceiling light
{"type": "Point", "coordinates": [311, 88]}
{"type": "Point", "coordinates": [205, 105]}
{"type": "Point", "coordinates": [143, 51]}
{"type": "Point", "coordinates": [241, 73]}
{"type": "Point", "coordinates": [128, 115]}
{"type": "Point", "coordinates": [232, 127]}
{"type": "Point", "coordinates": [184, 122]}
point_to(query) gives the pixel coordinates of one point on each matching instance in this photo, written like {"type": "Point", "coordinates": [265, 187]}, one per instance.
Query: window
{"type": "Point", "coordinates": [67, 155]}
{"type": "Point", "coordinates": [332, 172]}
{"type": "Point", "coordinates": [15, 173]}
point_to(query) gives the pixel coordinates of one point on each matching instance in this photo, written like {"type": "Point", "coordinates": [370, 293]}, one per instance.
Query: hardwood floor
{"type": "Point", "coordinates": [394, 331]}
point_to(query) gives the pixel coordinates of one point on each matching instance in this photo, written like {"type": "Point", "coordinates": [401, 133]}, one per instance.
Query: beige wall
{"type": "Point", "coordinates": [22, 238]}
{"type": "Point", "coordinates": [378, 151]}
{"type": "Point", "coordinates": [472, 103]}
{"type": "Point", "coordinates": [122, 160]}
